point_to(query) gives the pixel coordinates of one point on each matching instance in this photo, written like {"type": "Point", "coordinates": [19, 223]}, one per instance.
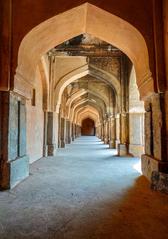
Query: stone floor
{"type": "Point", "coordinates": [86, 192]}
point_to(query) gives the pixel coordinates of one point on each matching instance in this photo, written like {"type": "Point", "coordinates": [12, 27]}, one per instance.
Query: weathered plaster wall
{"type": "Point", "coordinates": [35, 124]}
{"type": "Point", "coordinates": [136, 118]}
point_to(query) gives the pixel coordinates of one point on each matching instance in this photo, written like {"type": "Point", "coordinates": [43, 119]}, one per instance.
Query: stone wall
{"type": "Point", "coordinates": [35, 124]}
{"type": "Point", "coordinates": [136, 118]}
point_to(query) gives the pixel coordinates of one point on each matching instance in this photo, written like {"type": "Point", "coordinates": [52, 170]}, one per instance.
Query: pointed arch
{"type": "Point", "coordinates": [85, 18]}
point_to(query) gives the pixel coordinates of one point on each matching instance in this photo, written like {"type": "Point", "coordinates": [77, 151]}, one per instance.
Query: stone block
{"type": "Point", "coordinates": [52, 148]}
{"type": "Point", "coordinates": [19, 170]}
{"type": "Point", "coordinates": [13, 128]}
{"type": "Point", "coordinates": [159, 181]}
{"type": "Point", "coordinates": [136, 150]}
{"type": "Point", "coordinates": [150, 165]}
{"type": "Point", "coordinates": [22, 129]}
{"type": "Point", "coordinates": [122, 149]}
{"type": "Point", "coordinates": [112, 144]}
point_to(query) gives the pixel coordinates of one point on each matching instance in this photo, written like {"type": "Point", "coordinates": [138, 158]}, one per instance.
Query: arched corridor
{"type": "Point", "coordinates": [63, 77]}
{"type": "Point", "coordinates": [83, 192]}
{"type": "Point", "coordinates": [83, 119]}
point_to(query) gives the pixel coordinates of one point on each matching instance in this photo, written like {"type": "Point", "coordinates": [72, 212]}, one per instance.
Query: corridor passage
{"type": "Point", "coordinates": [85, 192]}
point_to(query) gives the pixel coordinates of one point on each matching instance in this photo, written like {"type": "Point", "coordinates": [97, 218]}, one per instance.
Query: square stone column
{"type": "Point", "coordinates": [52, 132]}
{"type": "Point", "coordinates": [62, 132]}
{"type": "Point", "coordinates": [154, 162]}
{"type": "Point", "coordinates": [112, 133]}
{"type": "Point", "coordinates": [123, 145]}
{"type": "Point", "coordinates": [78, 131]}
{"type": "Point", "coordinates": [73, 131]}
{"type": "Point", "coordinates": [102, 132]}
{"type": "Point", "coordinates": [106, 132]}
{"type": "Point", "coordinates": [68, 133]}
{"type": "Point", "coordinates": [14, 162]}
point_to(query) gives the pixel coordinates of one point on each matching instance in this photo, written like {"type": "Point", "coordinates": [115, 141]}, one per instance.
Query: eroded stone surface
{"type": "Point", "coordinates": [149, 165]}
{"type": "Point", "coordinates": [159, 181]}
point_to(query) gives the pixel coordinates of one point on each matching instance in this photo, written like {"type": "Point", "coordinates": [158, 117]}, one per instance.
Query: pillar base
{"type": "Point", "coordinates": [150, 165]}
{"type": "Point", "coordinates": [45, 150]}
{"type": "Point", "coordinates": [106, 141]}
{"type": "Point", "coordinates": [117, 142]}
{"type": "Point", "coordinates": [112, 144]}
{"type": "Point", "coordinates": [73, 138]}
{"type": "Point", "coordinates": [15, 172]}
{"type": "Point", "coordinates": [62, 144]}
{"type": "Point", "coordinates": [159, 182]}
{"type": "Point", "coordinates": [52, 149]}
{"type": "Point", "coordinates": [156, 172]}
{"type": "Point", "coordinates": [68, 140]}
{"type": "Point", "coordinates": [122, 149]}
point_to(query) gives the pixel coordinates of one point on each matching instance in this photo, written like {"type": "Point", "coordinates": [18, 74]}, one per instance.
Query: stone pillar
{"type": "Point", "coordinates": [102, 132]}
{"type": "Point", "coordinates": [14, 162]}
{"type": "Point", "coordinates": [117, 133]}
{"type": "Point", "coordinates": [123, 145]}
{"type": "Point", "coordinates": [79, 130]}
{"type": "Point", "coordinates": [45, 146]}
{"type": "Point", "coordinates": [136, 133]}
{"type": "Point", "coordinates": [68, 132]}
{"type": "Point", "coordinates": [154, 163]}
{"type": "Point", "coordinates": [70, 125]}
{"type": "Point", "coordinates": [106, 132]}
{"type": "Point", "coordinates": [78, 134]}
{"type": "Point", "coordinates": [52, 132]}
{"type": "Point", "coordinates": [98, 132]}
{"type": "Point", "coordinates": [73, 131]}
{"type": "Point", "coordinates": [62, 133]}
{"type": "Point", "coordinates": [76, 131]}
{"type": "Point", "coordinates": [112, 133]}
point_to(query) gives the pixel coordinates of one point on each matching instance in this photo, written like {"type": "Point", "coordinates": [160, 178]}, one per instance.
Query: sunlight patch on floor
{"type": "Point", "coordinates": [137, 167]}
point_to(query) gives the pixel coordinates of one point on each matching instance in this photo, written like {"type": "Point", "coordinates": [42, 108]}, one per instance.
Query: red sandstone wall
{"type": "Point", "coordinates": [165, 19]}
{"type": "Point", "coordinates": [165, 14]}
{"type": "Point", "coordinates": [35, 124]}
{"type": "Point", "coordinates": [29, 13]}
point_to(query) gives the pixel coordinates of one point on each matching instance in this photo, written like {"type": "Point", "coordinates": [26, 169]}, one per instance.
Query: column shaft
{"type": "Point", "coordinates": [14, 163]}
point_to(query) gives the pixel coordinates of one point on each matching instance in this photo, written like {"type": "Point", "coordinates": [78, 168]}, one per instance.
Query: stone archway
{"type": "Point", "coordinates": [88, 127]}
{"type": "Point", "coordinates": [90, 19]}
{"type": "Point", "coordinates": [86, 18]}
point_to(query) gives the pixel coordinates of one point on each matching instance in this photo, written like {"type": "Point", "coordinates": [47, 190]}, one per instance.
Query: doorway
{"type": "Point", "coordinates": [88, 127]}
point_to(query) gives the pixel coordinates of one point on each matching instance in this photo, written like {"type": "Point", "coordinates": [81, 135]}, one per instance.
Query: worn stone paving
{"type": "Point", "coordinates": [85, 192]}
